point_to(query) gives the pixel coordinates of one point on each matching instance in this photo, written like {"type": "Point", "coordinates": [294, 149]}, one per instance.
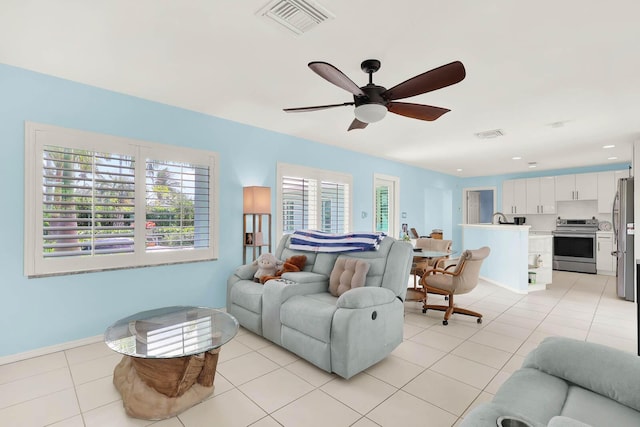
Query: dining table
{"type": "Point", "coordinates": [416, 293]}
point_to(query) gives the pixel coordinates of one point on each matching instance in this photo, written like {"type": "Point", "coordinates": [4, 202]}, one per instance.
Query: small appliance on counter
{"type": "Point", "coordinates": [519, 220]}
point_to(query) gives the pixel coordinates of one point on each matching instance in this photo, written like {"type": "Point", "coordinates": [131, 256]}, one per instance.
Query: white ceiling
{"type": "Point", "coordinates": [529, 65]}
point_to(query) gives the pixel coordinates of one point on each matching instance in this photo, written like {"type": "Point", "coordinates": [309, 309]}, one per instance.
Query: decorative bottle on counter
{"type": "Point", "coordinates": [539, 261]}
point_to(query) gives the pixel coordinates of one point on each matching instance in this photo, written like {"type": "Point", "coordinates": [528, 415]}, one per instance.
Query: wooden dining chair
{"type": "Point", "coordinates": [420, 264]}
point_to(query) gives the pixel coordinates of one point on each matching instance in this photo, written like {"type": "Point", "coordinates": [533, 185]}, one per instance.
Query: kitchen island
{"type": "Point", "coordinates": [511, 261]}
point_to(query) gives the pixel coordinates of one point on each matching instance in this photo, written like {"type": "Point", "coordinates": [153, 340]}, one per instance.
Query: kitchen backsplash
{"type": "Point", "coordinates": [570, 209]}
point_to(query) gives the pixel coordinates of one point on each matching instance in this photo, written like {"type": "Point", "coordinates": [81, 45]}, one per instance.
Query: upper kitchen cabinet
{"type": "Point", "coordinates": [583, 186]}
{"type": "Point", "coordinates": [514, 196]}
{"type": "Point", "coordinates": [607, 186]}
{"type": "Point", "coordinates": [541, 195]}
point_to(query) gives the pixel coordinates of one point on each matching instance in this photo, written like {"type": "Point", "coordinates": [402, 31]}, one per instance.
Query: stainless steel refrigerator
{"type": "Point", "coordinates": [623, 229]}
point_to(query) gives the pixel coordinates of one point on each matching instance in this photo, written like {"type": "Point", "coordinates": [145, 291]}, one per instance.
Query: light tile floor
{"type": "Point", "coordinates": [433, 378]}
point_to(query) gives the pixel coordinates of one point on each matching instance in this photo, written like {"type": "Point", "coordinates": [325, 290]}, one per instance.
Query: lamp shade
{"type": "Point", "coordinates": [257, 200]}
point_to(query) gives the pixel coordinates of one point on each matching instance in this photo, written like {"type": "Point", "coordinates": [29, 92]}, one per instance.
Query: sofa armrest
{"type": "Point", "coordinates": [603, 370]}
{"type": "Point", "coordinates": [367, 296]}
{"type": "Point", "coordinates": [246, 272]}
{"type": "Point", "coordinates": [306, 277]}
{"type": "Point", "coordinates": [487, 414]}
{"type": "Point", "coordinates": [560, 421]}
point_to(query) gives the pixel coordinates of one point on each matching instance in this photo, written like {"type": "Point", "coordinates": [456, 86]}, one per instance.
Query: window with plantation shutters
{"type": "Point", "coordinates": [102, 202]}
{"type": "Point", "coordinates": [177, 205]}
{"type": "Point", "coordinates": [382, 209]}
{"type": "Point", "coordinates": [87, 202]}
{"type": "Point", "coordinates": [334, 196]}
{"type": "Point", "coordinates": [313, 199]}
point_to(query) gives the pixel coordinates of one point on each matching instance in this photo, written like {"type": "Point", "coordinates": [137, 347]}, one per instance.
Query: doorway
{"type": "Point", "coordinates": [386, 203]}
{"type": "Point", "coordinates": [479, 205]}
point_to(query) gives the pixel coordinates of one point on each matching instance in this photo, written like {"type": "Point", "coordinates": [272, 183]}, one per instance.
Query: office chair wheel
{"type": "Point", "coordinates": [445, 322]}
{"type": "Point", "coordinates": [424, 310]}
{"type": "Point", "coordinates": [446, 297]}
{"type": "Point", "coordinates": [479, 320]}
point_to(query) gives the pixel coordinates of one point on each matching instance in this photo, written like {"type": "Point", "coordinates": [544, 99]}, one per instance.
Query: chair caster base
{"type": "Point", "coordinates": [424, 310]}
{"type": "Point", "coordinates": [445, 322]}
{"type": "Point", "coordinates": [479, 320]}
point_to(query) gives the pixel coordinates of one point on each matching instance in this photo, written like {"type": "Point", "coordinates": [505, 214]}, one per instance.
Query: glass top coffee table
{"type": "Point", "coordinates": [170, 357]}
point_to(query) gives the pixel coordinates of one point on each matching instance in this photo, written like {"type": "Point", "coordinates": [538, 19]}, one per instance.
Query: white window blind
{"type": "Point", "coordinates": [87, 202]}
{"type": "Point", "coordinates": [313, 199]}
{"type": "Point", "coordinates": [298, 203]}
{"type": "Point", "coordinates": [335, 205]}
{"type": "Point", "coordinates": [382, 209]}
{"type": "Point", "coordinates": [103, 202]}
{"type": "Point", "coordinates": [177, 205]}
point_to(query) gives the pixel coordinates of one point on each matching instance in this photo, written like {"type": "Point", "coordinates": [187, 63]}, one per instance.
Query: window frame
{"type": "Point", "coordinates": [38, 135]}
{"type": "Point", "coordinates": [318, 175]}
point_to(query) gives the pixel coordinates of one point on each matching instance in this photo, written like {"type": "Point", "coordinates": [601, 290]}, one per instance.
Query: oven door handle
{"type": "Point", "coordinates": [561, 234]}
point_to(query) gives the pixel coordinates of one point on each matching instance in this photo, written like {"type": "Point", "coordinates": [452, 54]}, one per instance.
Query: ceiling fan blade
{"type": "Point", "coordinates": [437, 78]}
{"type": "Point", "coordinates": [417, 111]}
{"type": "Point", "coordinates": [335, 76]}
{"type": "Point", "coordinates": [318, 107]}
{"type": "Point", "coordinates": [357, 124]}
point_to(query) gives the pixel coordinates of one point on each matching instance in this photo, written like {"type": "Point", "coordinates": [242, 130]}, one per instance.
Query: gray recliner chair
{"type": "Point", "coordinates": [568, 383]}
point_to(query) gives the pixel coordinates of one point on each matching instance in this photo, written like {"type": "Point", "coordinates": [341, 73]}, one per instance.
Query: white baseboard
{"type": "Point", "coordinates": [493, 282]}
{"type": "Point", "coordinates": [42, 351]}
{"type": "Point", "coordinates": [57, 347]}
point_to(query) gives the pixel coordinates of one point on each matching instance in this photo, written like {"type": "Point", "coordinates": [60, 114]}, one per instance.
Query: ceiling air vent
{"type": "Point", "coordinates": [488, 134]}
{"type": "Point", "coordinates": [298, 16]}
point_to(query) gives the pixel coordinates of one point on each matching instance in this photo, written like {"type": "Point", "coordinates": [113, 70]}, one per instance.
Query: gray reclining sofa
{"type": "Point", "coordinates": [344, 334]}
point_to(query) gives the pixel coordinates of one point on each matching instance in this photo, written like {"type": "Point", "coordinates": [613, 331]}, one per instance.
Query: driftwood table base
{"type": "Point", "coordinates": [156, 389]}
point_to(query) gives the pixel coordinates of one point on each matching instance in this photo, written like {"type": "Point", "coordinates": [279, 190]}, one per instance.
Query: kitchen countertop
{"type": "Point", "coordinates": [498, 226]}
{"type": "Point", "coordinates": [533, 234]}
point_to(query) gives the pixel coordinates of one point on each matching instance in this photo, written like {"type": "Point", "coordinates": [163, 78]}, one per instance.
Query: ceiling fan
{"type": "Point", "coordinates": [372, 101]}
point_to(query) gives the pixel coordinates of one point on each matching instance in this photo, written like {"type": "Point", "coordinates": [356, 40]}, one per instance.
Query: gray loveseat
{"type": "Point", "coordinates": [344, 334]}
{"type": "Point", "coordinates": [568, 383]}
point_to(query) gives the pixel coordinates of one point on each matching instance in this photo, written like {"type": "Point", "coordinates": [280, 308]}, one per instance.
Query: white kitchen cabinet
{"type": "Point", "coordinates": [541, 195]}
{"type": "Point", "coordinates": [583, 186]}
{"type": "Point", "coordinates": [514, 196]}
{"type": "Point", "coordinates": [605, 262]}
{"type": "Point", "coordinates": [607, 187]}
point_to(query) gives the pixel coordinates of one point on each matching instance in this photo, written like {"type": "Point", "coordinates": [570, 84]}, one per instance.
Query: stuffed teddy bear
{"type": "Point", "coordinates": [291, 264]}
{"type": "Point", "coordinates": [267, 266]}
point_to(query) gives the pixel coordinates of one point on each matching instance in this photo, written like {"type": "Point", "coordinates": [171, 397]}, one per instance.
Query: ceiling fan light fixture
{"type": "Point", "coordinates": [370, 113]}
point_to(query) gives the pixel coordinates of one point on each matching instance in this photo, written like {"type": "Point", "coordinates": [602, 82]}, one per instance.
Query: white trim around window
{"type": "Point", "coordinates": [98, 202]}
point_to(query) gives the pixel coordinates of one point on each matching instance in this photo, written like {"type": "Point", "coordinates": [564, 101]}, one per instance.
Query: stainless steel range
{"type": "Point", "coordinates": [574, 245]}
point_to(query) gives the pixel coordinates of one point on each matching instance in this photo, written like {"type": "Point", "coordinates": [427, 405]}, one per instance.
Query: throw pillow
{"type": "Point", "coordinates": [347, 273]}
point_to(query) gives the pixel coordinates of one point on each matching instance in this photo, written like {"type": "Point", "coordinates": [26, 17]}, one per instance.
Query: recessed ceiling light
{"type": "Point", "coordinates": [489, 134]}
{"type": "Point", "coordinates": [458, 170]}
{"type": "Point", "coordinates": [516, 158]}
{"type": "Point", "coordinates": [612, 158]}
{"type": "Point", "coordinates": [558, 124]}
{"type": "Point", "coordinates": [533, 165]}
{"type": "Point", "coordinates": [608, 146]}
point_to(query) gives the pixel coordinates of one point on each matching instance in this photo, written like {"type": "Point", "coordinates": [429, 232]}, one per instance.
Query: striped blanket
{"type": "Point", "coordinates": [319, 241]}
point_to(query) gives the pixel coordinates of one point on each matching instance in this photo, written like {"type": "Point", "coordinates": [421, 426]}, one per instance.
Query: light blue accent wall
{"type": "Point", "coordinates": [41, 312]}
